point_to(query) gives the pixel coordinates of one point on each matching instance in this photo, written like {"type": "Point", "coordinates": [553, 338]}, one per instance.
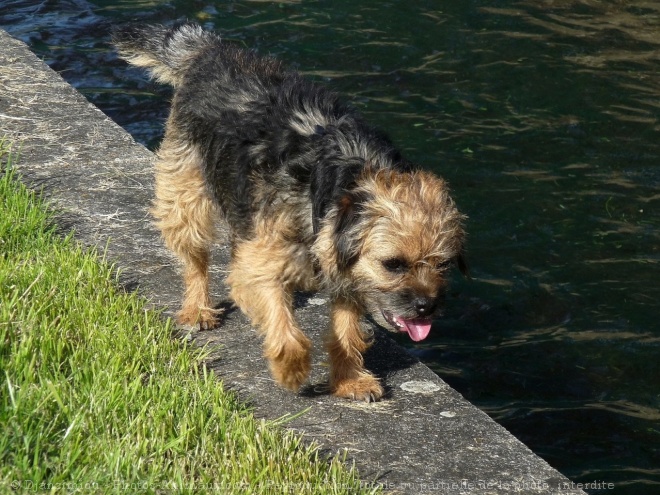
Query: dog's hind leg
{"type": "Point", "coordinates": [186, 216]}
{"type": "Point", "coordinates": [262, 277]}
{"type": "Point", "coordinates": [346, 344]}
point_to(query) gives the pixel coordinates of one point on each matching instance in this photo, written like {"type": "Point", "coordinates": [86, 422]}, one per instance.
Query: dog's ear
{"type": "Point", "coordinates": [333, 189]}
{"type": "Point", "coordinates": [462, 264]}
{"type": "Point", "coordinates": [347, 238]}
{"type": "Point", "coordinates": [330, 180]}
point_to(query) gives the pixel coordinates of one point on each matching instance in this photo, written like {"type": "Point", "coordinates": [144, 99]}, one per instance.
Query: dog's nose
{"type": "Point", "coordinates": [424, 306]}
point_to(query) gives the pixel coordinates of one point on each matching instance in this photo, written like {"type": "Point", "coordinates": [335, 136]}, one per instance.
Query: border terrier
{"type": "Point", "coordinates": [314, 198]}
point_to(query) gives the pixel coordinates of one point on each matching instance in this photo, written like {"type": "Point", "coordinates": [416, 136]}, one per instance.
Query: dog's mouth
{"type": "Point", "coordinates": [416, 328]}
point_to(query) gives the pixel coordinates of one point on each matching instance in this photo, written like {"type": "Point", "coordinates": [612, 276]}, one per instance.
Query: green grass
{"type": "Point", "coordinates": [97, 397]}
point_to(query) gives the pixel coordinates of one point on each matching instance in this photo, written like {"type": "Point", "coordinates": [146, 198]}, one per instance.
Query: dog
{"type": "Point", "coordinates": [313, 196]}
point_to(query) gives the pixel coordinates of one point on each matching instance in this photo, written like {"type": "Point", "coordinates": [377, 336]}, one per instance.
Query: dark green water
{"type": "Point", "coordinates": [545, 118]}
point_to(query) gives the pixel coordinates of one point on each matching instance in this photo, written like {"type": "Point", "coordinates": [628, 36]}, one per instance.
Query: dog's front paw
{"type": "Point", "coordinates": [206, 319]}
{"type": "Point", "coordinates": [364, 388]}
{"type": "Point", "coordinates": [292, 372]}
{"type": "Point", "coordinates": [290, 366]}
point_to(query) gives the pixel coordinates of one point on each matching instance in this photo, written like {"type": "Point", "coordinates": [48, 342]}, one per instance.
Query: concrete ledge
{"type": "Point", "coordinates": [422, 438]}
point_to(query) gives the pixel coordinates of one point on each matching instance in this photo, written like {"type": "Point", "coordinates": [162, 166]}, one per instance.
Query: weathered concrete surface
{"type": "Point", "coordinates": [423, 438]}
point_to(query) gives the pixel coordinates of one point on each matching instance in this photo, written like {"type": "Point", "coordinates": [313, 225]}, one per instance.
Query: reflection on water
{"type": "Point", "coordinates": [544, 117]}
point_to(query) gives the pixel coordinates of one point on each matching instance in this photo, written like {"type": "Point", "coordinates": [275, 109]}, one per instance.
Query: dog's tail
{"type": "Point", "coordinates": [165, 51]}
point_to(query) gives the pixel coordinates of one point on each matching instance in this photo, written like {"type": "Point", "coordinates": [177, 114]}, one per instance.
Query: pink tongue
{"type": "Point", "coordinates": [417, 328]}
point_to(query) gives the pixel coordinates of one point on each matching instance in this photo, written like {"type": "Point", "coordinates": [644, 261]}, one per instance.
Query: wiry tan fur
{"type": "Point", "coordinates": [264, 272]}
{"type": "Point", "coordinates": [346, 343]}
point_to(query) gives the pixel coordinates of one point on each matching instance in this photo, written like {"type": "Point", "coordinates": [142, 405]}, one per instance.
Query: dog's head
{"type": "Point", "coordinates": [394, 238]}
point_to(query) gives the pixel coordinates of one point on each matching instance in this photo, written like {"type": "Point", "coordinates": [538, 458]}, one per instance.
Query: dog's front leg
{"type": "Point", "coordinates": [346, 343]}
{"type": "Point", "coordinates": [258, 287]}
{"type": "Point", "coordinates": [285, 346]}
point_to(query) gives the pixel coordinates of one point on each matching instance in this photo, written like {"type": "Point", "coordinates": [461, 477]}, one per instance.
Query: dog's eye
{"type": "Point", "coordinates": [443, 265]}
{"type": "Point", "coordinates": [396, 265]}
